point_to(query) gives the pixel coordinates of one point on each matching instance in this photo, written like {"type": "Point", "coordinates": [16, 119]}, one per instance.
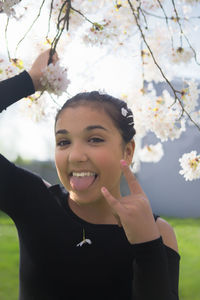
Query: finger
{"type": "Point", "coordinates": [112, 200]}
{"type": "Point", "coordinates": [134, 186]}
{"type": "Point", "coordinates": [114, 203]}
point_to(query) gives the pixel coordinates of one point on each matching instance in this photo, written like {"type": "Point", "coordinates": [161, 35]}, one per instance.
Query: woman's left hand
{"type": "Point", "coordinates": [38, 66]}
{"type": "Point", "coordinates": [133, 212]}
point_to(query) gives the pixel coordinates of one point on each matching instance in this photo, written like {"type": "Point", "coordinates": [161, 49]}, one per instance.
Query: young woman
{"type": "Point", "coordinates": [84, 240]}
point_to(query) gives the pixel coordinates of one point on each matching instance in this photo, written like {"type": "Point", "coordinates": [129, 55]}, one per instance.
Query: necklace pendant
{"type": "Point", "coordinates": [84, 241]}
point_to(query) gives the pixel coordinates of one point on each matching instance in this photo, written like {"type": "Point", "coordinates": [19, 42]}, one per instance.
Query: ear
{"type": "Point", "coordinates": [129, 151]}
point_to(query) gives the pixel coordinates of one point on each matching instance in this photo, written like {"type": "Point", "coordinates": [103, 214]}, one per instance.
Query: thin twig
{"type": "Point", "coordinates": [50, 14]}
{"type": "Point", "coordinates": [144, 17]}
{"type": "Point", "coordinates": [166, 20]}
{"type": "Point", "coordinates": [65, 23]}
{"type": "Point", "coordinates": [163, 10]}
{"type": "Point", "coordinates": [80, 13]}
{"type": "Point", "coordinates": [6, 38]}
{"type": "Point", "coordinates": [29, 29]}
{"type": "Point", "coordinates": [142, 60]}
{"type": "Point", "coordinates": [160, 69]}
{"type": "Point", "coordinates": [169, 18]}
{"type": "Point", "coordinates": [183, 34]}
{"type": "Point", "coordinates": [55, 101]}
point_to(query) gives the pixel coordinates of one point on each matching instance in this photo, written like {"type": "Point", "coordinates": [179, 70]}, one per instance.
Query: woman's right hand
{"type": "Point", "coordinates": [38, 66]}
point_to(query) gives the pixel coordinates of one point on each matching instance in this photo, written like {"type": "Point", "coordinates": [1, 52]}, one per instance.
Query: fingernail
{"type": "Point", "coordinates": [123, 162]}
{"type": "Point", "coordinates": [103, 189]}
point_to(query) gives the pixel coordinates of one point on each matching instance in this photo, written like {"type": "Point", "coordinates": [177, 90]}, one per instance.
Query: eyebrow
{"type": "Point", "coordinates": [92, 127]}
{"type": "Point", "coordinates": [88, 128]}
{"type": "Point", "coordinates": [62, 131]}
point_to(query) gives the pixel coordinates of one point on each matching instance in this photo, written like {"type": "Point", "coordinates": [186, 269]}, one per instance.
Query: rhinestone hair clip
{"type": "Point", "coordinates": [124, 113]}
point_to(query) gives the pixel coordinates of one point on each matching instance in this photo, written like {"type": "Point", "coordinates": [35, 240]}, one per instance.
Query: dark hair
{"type": "Point", "coordinates": [117, 110]}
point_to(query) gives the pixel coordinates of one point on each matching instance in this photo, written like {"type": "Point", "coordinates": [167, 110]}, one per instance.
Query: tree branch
{"type": "Point", "coordinates": [183, 34]}
{"type": "Point", "coordinates": [29, 29]}
{"type": "Point", "coordinates": [6, 38]}
{"type": "Point", "coordinates": [175, 92]}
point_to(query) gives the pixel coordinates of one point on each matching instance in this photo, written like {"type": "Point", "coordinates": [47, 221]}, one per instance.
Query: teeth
{"type": "Point", "coordinates": [83, 174]}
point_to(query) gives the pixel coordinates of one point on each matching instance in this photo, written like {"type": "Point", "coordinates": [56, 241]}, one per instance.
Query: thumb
{"type": "Point", "coordinates": [114, 204]}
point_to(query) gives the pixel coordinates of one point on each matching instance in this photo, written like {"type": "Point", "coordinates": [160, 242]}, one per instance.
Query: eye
{"type": "Point", "coordinates": [95, 140]}
{"type": "Point", "coordinates": [63, 143]}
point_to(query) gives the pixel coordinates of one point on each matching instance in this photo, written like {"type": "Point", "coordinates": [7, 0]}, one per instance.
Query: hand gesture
{"type": "Point", "coordinates": [133, 211]}
{"type": "Point", "coordinates": [39, 64]}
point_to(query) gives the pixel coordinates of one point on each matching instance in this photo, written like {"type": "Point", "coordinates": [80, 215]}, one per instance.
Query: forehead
{"type": "Point", "coordinates": [82, 116]}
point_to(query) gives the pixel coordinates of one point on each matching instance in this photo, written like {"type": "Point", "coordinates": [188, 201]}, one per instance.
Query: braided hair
{"type": "Point", "coordinates": [115, 108]}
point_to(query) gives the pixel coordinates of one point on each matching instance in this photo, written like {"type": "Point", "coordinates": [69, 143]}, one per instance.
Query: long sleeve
{"type": "Point", "coordinates": [12, 178]}
{"type": "Point", "coordinates": [156, 271]}
{"type": "Point", "coordinates": [15, 88]}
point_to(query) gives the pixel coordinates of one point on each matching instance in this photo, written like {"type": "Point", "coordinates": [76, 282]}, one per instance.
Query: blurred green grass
{"type": "Point", "coordinates": [188, 236]}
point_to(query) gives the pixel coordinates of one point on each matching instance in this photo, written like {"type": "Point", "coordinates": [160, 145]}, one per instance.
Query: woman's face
{"type": "Point", "coordinates": [88, 152]}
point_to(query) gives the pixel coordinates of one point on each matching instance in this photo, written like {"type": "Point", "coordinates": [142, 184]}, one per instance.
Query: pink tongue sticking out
{"type": "Point", "coordinates": [81, 183]}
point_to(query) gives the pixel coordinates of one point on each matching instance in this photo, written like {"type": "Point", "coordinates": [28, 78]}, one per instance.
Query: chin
{"type": "Point", "coordinates": [82, 199]}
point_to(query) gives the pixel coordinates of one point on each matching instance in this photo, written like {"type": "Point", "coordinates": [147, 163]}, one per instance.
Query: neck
{"type": "Point", "coordinates": [96, 213]}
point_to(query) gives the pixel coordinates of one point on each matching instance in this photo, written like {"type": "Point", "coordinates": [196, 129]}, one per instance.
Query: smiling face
{"type": "Point", "coordinates": [88, 152]}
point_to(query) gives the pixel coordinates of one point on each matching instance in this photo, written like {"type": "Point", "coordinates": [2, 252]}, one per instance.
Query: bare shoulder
{"type": "Point", "coordinates": [167, 233]}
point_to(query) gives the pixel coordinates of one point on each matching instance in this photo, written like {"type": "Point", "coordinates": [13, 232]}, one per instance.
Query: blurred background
{"type": "Point", "coordinates": [116, 68]}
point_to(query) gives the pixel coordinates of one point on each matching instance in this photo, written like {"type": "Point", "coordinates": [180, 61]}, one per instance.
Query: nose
{"type": "Point", "coordinates": [77, 153]}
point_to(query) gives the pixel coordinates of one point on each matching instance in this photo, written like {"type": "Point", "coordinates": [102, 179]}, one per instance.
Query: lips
{"type": "Point", "coordinates": [80, 181]}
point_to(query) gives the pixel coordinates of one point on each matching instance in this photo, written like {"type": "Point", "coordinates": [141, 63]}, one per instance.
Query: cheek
{"type": "Point", "coordinates": [59, 160]}
{"type": "Point", "coordinates": [109, 161]}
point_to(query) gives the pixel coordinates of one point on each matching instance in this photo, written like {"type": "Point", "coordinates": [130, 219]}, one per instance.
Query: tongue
{"type": "Point", "coordinates": [81, 183]}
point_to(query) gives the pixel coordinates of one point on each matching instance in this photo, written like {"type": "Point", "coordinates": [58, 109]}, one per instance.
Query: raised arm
{"type": "Point", "coordinates": [12, 178]}
{"type": "Point", "coordinates": [24, 84]}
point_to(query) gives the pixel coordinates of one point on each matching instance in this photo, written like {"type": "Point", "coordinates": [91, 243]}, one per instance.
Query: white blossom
{"type": "Point", "coordinates": [190, 164]}
{"type": "Point", "coordinates": [191, 1]}
{"type": "Point", "coordinates": [7, 7]}
{"type": "Point", "coordinates": [164, 119]}
{"type": "Point", "coordinates": [157, 114]}
{"type": "Point", "coordinates": [181, 55]}
{"type": "Point", "coordinates": [151, 153]}
{"type": "Point", "coordinates": [117, 24]}
{"type": "Point", "coordinates": [151, 4]}
{"type": "Point", "coordinates": [37, 108]}
{"type": "Point", "coordinates": [151, 72]}
{"type": "Point", "coordinates": [55, 79]}
{"type": "Point", "coordinates": [89, 6]}
{"type": "Point", "coordinates": [10, 68]}
{"type": "Point", "coordinates": [195, 115]}
{"type": "Point", "coordinates": [190, 96]}
{"type": "Point", "coordinates": [101, 33]}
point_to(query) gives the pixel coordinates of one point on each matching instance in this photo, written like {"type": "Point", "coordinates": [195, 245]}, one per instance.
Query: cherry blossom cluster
{"type": "Point", "coordinates": [55, 79]}
{"type": "Point", "coordinates": [181, 55]}
{"type": "Point", "coordinates": [101, 34]}
{"type": "Point", "coordinates": [151, 153]}
{"type": "Point", "coordinates": [10, 68]}
{"type": "Point", "coordinates": [190, 164]}
{"type": "Point", "coordinates": [37, 108]}
{"type": "Point", "coordinates": [158, 114]}
{"type": "Point", "coordinates": [7, 7]}
{"type": "Point", "coordinates": [190, 96]}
